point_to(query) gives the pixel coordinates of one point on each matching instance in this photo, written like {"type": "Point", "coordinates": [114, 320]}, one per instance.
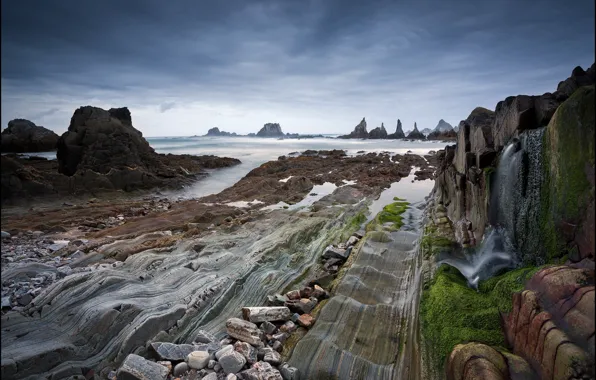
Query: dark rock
{"type": "Point", "coordinates": [270, 130]}
{"type": "Point", "coordinates": [216, 132]}
{"type": "Point", "coordinates": [204, 337]}
{"type": "Point", "coordinates": [359, 131]}
{"type": "Point", "coordinates": [288, 372]}
{"type": "Point", "coordinates": [332, 252]}
{"type": "Point", "coordinates": [268, 327]}
{"type": "Point", "coordinates": [248, 351]}
{"type": "Point", "coordinates": [416, 134]}
{"type": "Point", "coordinates": [378, 133]}
{"type": "Point", "coordinates": [137, 368]}
{"type": "Point", "coordinates": [232, 362]}
{"type": "Point", "coordinates": [180, 369]}
{"type": "Point", "coordinates": [24, 136]}
{"type": "Point", "coordinates": [578, 78]}
{"type": "Point", "coordinates": [399, 132]}
{"type": "Point", "coordinates": [171, 351]}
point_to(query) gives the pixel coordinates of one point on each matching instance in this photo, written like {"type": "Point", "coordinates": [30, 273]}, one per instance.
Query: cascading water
{"type": "Point", "coordinates": [513, 213]}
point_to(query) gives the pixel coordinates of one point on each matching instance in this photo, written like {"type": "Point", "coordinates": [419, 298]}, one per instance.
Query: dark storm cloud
{"type": "Point", "coordinates": [381, 57]}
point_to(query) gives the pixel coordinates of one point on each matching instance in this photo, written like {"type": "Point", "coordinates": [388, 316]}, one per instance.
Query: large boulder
{"type": "Point", "coordinates": [399, 132]}
{"type": "Point", "coordinates": [416, 134]}
{"type": "Point", "coordinates": [270, 130]}
{"type": "Point", "coordinates": [578, 78]}
{"type": "Point", "coordinates": [378, 133]}
{"type": "Point", "coordinates": [359, 131]}
{"type": "Point", "coordinates": [216, 132]}
{"type": "Point", "coordinates": [24, 136]}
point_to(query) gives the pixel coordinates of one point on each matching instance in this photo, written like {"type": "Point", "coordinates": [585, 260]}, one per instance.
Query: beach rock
{"type": "Point", "coordinates": [232, 362]}
{"type": "Point", "coordinates": [416, 134]}
{"type": "Point", "coordinates": [306, 292]}
{"type": "Point", "coordinates": [261, 371]}
{"type": "Point", "coordinates": [320, 293]}
{"type": "Point", "coordinates": [399, 132]}
{"type": "Point", "coordinates": [268, 327]}
{"type": "Point", "coordinates": [271, 356]}
{"type": "Point", "coordinates": [277, 346]}
{"type": "Point", "coordinates": [288, 372]}
{"type": "Point", "coordinates": [281, 337]}
{"type": "Point", "coordinates": [171, 351]}
{"type": "Point", "coordinates": [303, 305]}
{"type": "Point", "coordinates": [210, 376]}
{"type": "Point", "coordinates": [293, 295]}
{"type": "Point", "coordinates": [180, 369]}
{"type": "Point", "coordinates": [332, 252]}
{"type": "Point", "coordinates": [224, 350]}
{"type": "Point", "coordinates": [167, 364]}
{"type": "Point", "coordinates": [359, 131]}
{"type": "Point", "coordinates": [198, 359]}
{"type": "Point", "coordinates": [288, 327]}
{"type": "Point", "coordinates": [205, 337]}
{"type": "Point", "coordinates": [138, 368]}
{"type": "Point", "coordinates": [277, 300]}
{"type": "Point", "coordinates": [263, 314]}
{"type": "Point", "coordinates": [24, 136]}
{"type": "Point", "coordinates": [270, 130]}
{"type": "Point", "coordinates": [578, 78]}
{"type": "Point", "coordinates": [305, 320]}
{"type": "Point", "coordinates": [248, 351]}
{"type": "Point", "coordinates": [378, 133]}
{"type": "Point", "coordinates": [5, 235]}
{"type": "Point", "coordinates": [231, 376]}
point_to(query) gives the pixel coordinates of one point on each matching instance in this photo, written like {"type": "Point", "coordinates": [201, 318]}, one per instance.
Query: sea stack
{"type": "Point", "coordinates": [399, 132]}
{"type": "Point", "coordinates": [378, 133]}
{"type": "Point", "coordinates": [22, 135]}
{"type": "Point", "coordinates": [416, 134]}
{"type": "Point", "coordinates": [270, 130]}
{"type": "Point", "coordinates": [443, 131]}
{"type": "Point", "coordinates": [359, 131]}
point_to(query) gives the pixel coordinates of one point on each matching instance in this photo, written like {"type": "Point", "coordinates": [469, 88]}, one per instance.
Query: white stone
{"type": "Point", "coordinates": [198, 359]}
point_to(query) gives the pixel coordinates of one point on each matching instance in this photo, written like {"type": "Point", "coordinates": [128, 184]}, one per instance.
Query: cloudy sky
{"type": "Point", "coordinates": [185, 66]}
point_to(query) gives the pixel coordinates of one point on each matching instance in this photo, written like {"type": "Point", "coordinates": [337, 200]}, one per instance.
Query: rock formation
{"type": "Point", "coordinates": [378, 133]}
{"type": "Point", "coordinates": [443, 131]}
{"type": "Point", "coordinates": [359, 131]}
{"type": "Point", "coordinates": [527, 170]}
{"type": "Point", "coordinates": [416, 134]}
{"type": "Point", "coordinates": [216, 132]}
{"type": "Point", "coordinates": [399, 132]}
{"type": "Point", "coordinates": [24, 136]}
{"type": "Point", "coordinates": [102, 151]}
{"type": "Point", "coordinates": [426, 131]}
{"type": "Point", "coordinates": [270, 130]}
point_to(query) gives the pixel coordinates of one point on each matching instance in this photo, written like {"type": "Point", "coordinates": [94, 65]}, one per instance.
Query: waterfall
{"type": "Point", "coordinates": [513, 235]}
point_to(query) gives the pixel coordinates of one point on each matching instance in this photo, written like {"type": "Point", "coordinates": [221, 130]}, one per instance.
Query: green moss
{"type": "Point", "coordinates": [392, 213]}
{"type": "Point", "coordinates": [452, 313]}
{"type": "Point", "coordinates": [568, 154]}
{"type": "Point", "coordinates": [432, 242]}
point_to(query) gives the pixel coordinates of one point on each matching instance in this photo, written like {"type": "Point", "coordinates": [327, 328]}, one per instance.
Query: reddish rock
{"type": "Point", "coordinates": [306, 320]}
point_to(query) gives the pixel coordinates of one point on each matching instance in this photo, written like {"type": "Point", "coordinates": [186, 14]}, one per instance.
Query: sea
{"type": "Point", "coordinates": [254, 151]}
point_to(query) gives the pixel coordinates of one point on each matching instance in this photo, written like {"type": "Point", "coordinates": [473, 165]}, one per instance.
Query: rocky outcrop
{"type": "Point", "coordinates": [578, 78]}
{"type": "Point", "coordinates": [416, 134]}
{"type": "Point", "coordinates": [102, 151]}
{"type": "Point", "coordinates": [443, 131]}
{"type": "Point", "coordinates": [378, 133]}
{"type": "Point", "coordinates": [399, 132]}
{"type": "Point", "coordinates": [270, 130]}
{"type": "Point", "coordinates": [359, 131]}
{"type": "Point", "coordinates": [426, 131]}
{"type": "Point", "coordinates": [216, 132]}
{"type": "Point", "coordinates": [462, 179]}
{"type": "Point", "coordinates": [24, 136]}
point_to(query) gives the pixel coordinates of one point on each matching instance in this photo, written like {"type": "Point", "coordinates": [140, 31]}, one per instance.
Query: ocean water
{"type": "Point", "coordinates": [253, 152]}
{"type": "Point", "coordinates": [256, 151]}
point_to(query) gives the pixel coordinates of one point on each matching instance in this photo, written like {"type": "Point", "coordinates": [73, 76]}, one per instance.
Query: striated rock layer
{"type": "Point", "coordinates": [368, 329]}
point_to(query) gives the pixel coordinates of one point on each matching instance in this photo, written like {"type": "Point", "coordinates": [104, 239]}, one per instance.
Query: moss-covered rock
{"type": "Point", "coordinates": [567, 195]}
{"type": "Point", "coordinates": [390, 218]}
{"type": "Point", "coordinates": [452, 313]}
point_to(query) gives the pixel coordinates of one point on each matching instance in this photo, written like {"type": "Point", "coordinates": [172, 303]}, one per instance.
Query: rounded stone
{"type": "Point", "coordinates": [180, 369]}
{"type": "Point", "coordinates": [198, 359]}
{"type": "Point", "coordinates": [232, 362]}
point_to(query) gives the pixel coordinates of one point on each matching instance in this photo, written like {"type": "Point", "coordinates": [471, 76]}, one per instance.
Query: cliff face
{"type": "Point", "coordinates": [270, 130]}
{"type": "Point", "coordinates": [463, 178]}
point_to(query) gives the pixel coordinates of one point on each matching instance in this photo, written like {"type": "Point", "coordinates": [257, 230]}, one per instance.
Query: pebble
{"type": "Point", "coordinates": [5, 235]}
{"type": "Point", "coordinates": [232, 362]}
{"type": "Point", "coordinates": [198, 359]}
{"type": "Point", "coordinates": [180, 369]}
{"type": "Point", "coordinates": [211, 376]}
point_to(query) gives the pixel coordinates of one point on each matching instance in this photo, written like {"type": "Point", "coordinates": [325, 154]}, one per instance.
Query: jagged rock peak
{"type": "Point", "coordinates": [416, 134]}
{"type": "Point", "coordinates": [270, 130]}
{"type": "Point", "coordinates": [378, 133]}
{"type": "Point", "coordinates": [443, 126]}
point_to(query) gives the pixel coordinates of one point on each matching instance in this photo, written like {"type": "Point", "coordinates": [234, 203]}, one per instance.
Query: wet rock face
{"type": "Point", "coordinates": [270, 130]}
{"type": "Point", "coordinates": [22, 135]}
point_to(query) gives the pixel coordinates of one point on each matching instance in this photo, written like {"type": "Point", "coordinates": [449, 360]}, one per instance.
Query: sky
{"type": "Point", "coordinates": [185, 66]}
